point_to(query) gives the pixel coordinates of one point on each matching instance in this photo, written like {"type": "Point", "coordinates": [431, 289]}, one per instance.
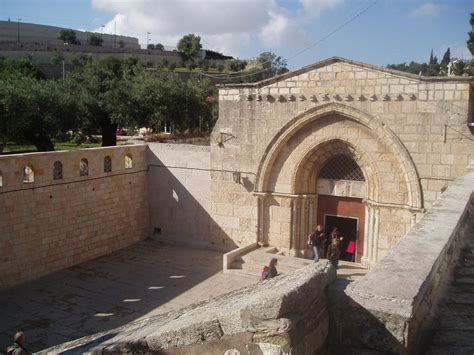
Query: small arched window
{"type": "Point", "coordinates": [342, 167]}
{"type": "Point", "coordinates": [28, 174]}
{"type": "Point", "coordinates": [1, 179]}
{"type": "Point", "coordinates": [128, 161]}
{"type": "Point", "coordinates": [107, 164]}
{"type": "Point", "coordinates": [57, 170]}
{"type": "Point", "coordinates": [84, 167]}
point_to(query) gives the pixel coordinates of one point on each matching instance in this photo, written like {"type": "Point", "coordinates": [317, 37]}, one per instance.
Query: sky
{"type": "Point", "coordinates": [378, 32]}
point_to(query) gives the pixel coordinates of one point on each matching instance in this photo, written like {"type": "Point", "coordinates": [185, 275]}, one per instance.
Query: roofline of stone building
{"type": "Point", "coordinates": [335, 59]}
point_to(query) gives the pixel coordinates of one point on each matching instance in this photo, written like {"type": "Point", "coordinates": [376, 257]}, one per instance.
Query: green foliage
{"type": "Point", "coordinates": [159, 47]}
{"type": "Point", "coordinates": [236, 65]}
{"type": "Point", "coordinates": [150, 46]}
{"type": "Point", "coordinates": [470, 42]}
{"type": "Point", "coordinates": [95, 39]}
{"type": "Point", "coordinates": [98, 97]}
{"type": "Point", "coordinates": [446, 57]}
{"type": "Point", "coordinates": [57, 57]}
{"type": "Point", "coordinates": [34, 110]}
{"type": "Point", "coordinates": [188, 46]}
{"type": "Point", "coordinates": [121, 44]}
{"type": "Point", "coordinates": [274, 64]}
{"type": "Point", "coordinates": [68, 36]}
{"type": "Point", "coordinates": [23, 67]}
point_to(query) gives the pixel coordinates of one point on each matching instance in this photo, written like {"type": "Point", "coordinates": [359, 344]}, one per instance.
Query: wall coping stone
{"type": "Point", "coordinates": [335, 59]}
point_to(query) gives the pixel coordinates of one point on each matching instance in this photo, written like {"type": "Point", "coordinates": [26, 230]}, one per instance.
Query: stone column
{"type": "Point", "coordinates": [260, 229]}
{"type": "Point", "coordinates": [365, 254]}
{"type": "Point", "coordinates": [294, 222]}
{"type": "Point", "coordinates": [300, 245]}
{"type": "Point", "coordinates": [375, 237]}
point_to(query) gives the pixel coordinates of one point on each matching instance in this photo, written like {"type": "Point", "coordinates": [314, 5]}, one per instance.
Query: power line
{"type": "Point", "coordinates": [324, 38]}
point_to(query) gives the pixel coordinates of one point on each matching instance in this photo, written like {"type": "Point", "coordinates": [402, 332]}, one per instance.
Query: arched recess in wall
{"type": "Point", "coordinates": [83, 167]}
{"type": "Point", "coordinates": [308, 169]}
{"type": "Point", "coordinates": [1, 179]}
{"type": "Point", "coordinates": [57, 170]}
{"type": "Point", "coordinates": [28, 174]}
{"type": "Point", "coordinates": [375, 126]}
{"type": "Point", "coordinates": [107, 164]}
{"type": "Point", "coordinates": [128, 161]}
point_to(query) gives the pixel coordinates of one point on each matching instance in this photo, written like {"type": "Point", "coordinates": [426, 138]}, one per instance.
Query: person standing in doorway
{"type": "Point", "coordinates": [18, 347]}
{"type": "Point", "coordinates": [316, 241]}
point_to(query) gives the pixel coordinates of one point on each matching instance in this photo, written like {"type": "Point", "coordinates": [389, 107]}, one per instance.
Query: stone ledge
{"type": "Point", "coordinates": [287, 313]}
{"type": "Point", "coordinates": [402, 291]}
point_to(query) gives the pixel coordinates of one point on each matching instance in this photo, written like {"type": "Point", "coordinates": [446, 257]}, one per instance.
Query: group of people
{"type": "Point", "coordinates": [330, 246]}
{"type": "Point", "coordinates": [323, 246]}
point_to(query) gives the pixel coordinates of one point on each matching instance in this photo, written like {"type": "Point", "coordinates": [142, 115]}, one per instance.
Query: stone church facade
{"type": "Point", "coordinates": [339, 143]}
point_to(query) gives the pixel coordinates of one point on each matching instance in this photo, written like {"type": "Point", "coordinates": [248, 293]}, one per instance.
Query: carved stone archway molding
{"type": "Point", "coordinates": [374, 124]}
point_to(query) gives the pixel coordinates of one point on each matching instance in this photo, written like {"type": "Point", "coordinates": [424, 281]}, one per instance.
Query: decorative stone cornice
{"type": "Point", "coordinates": [328, 98]}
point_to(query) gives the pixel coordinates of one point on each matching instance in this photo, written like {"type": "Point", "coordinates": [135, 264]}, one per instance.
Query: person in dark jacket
{"type": "Point", "coordinates": [272, 271]}
{"type": "Point", "coordinates": [316, 241]}
{"type": "Point", "coordinates": [18, 347]}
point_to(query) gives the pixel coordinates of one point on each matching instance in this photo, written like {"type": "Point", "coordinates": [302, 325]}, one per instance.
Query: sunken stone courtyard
{"type": "Point", "coordinates": [158, 248]}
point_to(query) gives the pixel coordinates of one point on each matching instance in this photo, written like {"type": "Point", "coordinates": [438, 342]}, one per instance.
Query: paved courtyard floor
{"type": "Point", "coordinates": [146, 279]}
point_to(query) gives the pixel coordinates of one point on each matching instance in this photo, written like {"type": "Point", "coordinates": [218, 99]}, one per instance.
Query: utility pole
{"type": "Point", "coordinates": [18, 39]}
{"type": "Point", "coordinates": [115, 34]}
{"type": "Point", "coordinates": [147, 39]}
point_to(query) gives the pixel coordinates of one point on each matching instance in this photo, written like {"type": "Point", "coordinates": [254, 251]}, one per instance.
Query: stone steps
{"type": "Point", "coordinates": [455, 328]}
{"type": "Point", "coordinates": [451, 350]}
{"type": "Point", "coordinates": [457, 322]}
{"type": "Point", "coordinates": [252, 263]}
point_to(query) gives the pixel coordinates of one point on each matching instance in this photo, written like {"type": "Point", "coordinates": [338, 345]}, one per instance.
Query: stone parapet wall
{"type": "Point", "coordinates": [49, 224]}
{"type": "Point", "coordinates": [287, 314]}
{"type": "Point", "coordinates": [390, 310]}
{"type": "Point", "coordinates": [180, 196]}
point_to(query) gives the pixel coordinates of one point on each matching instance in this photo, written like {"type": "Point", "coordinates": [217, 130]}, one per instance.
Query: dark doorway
{"type": "Point", "coordinates": [348, 228]}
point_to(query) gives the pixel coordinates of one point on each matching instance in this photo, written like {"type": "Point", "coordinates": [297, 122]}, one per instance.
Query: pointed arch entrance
{"type": "Point", "coordinates": [295, 193]}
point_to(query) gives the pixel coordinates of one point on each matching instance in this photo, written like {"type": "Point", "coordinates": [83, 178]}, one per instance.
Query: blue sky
{"type": "Point", "coordinates": [390, 31]}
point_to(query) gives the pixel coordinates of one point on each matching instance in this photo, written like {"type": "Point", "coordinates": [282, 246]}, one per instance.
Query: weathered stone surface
{"type": "Point", "coordinates": [391, 309]}
{"type": "Point", "coordinates": [287, 313]}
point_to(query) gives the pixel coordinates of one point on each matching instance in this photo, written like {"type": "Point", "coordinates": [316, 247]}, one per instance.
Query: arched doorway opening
{"type": "Point", "coordinates": [341, 188]}
{"type": "Point", "coordinates": [293, 196]}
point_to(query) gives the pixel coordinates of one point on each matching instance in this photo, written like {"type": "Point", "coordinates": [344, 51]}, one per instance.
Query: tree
{"type": "Point", "coordinates": [103, 90]}
{"type": "Point", "coordinates": [150, 46]}
{"type": "Point", "coordinates": [431, 61]}
{"type": "Point", "coordinates": [121, 44]}
{"type": "Point", "coordinates": [57, 57]}
{"type": "Point", "coordinates": [95, 40]}
{"type": "Point", "coordinates": [470, 41]}
{"type": "Point", "coordinates": [68, 36]}
{"type": "Point", "coordinates": [274, 64]}
{"type": "Point", "coordinates": [9, 67]}
{"type": "Point", "coordinates": [446, 57]}
{"type": "Point", "coordinates": [188, 46]}
{"type": "Point", "coordinates": [237, 64]}
{"type": "Point", "coordinates": [34, 110]}
{"type": "Point", "coordinates": [159, 47]}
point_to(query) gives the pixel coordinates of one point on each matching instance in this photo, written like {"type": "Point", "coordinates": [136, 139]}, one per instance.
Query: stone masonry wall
{"type": "Point", "coordinates": [390, 309]}
{"type": "Point", "coordinates": [425, 117]}
{"type": "Point", "coordinates": [50, 224]}
{"type": "Point", "coordinates": [179, 192]}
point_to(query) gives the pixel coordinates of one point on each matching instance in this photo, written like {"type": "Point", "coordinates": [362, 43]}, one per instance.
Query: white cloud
{"type": "Point", "coordinates": [428, 9]}
{"type": "Point", "coordinates": [315, 7]}
{"type": "Point", "coordinates": [224, 25]}
{"type": "Point", "coordinates": [280, 30]}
